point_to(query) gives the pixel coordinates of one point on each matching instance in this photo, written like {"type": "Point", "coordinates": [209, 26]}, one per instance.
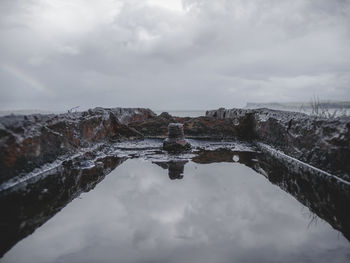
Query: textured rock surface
{"type": "Point", "coordinates": [323, 143]}
{"type": "Point", "coordinates": [199, 127]}
{"type": "Point", "coordinates": [175, 142]}
{"type": "Point", "coordinates": [27, 142]}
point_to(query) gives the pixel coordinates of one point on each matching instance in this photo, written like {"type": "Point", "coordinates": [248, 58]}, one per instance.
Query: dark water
{"type": "Point", "coordinates": [217, 212]}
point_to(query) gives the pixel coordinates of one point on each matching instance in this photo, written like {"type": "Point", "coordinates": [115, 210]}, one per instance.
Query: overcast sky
{"type": "Point", "coordinates": [172, 54]}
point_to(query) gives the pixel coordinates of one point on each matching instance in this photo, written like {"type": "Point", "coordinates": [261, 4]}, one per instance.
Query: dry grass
{"type": "Point", "coordinates": [320, 110]}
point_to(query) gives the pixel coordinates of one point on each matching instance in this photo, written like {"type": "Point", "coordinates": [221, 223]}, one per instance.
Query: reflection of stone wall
{"type": "Point", "coordinates": [225, 155]}
{"type": "Point", "coordinates": [28, 206]}
{"type": "Point", "coordinates": [324, 195]}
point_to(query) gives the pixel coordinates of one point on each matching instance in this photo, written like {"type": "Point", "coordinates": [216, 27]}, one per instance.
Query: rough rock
{"type": "Point", "coordinates": [26, 142]}
{"type": "Point", "coordinates": [154, 127]}
{"type": "Point", "coordinates": [323, 143]}
{"type": "Point", "coordinates": [195, 128]}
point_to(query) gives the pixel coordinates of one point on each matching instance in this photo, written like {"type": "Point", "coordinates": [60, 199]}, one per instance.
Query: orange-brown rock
{"type": "Point", "coordinates": [27, 142]}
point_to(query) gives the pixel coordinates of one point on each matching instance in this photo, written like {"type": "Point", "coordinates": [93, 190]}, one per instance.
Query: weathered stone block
{"type": "Point", "coordinates": [176, 143]}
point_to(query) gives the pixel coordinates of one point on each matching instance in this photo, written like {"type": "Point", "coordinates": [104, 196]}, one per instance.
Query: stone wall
{"type": "Point", "coordinates": [27, 142]}
{"type": "Point", "coordinates": [323, 143]}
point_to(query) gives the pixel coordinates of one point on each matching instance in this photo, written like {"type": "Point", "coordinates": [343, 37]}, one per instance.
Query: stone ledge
{"type": "Point", "coordinates": [323, 143]}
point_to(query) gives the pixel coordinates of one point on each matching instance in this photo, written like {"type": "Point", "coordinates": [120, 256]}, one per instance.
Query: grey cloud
{"type": "Point", "coordinates": [215, 53]}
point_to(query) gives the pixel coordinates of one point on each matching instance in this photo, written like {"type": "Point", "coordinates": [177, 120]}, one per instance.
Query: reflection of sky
{"type": "Point", "coordinates": [218, 213]}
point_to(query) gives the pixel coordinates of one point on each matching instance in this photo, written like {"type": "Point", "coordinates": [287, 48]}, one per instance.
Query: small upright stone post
{"type": "Point", "coordinates": [175, 142]}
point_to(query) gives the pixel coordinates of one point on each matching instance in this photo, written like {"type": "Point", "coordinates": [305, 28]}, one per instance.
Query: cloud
{"type": "Point", "coordinates": [171, 54]}
{"type": "Point", "coordinates": [22, 76]}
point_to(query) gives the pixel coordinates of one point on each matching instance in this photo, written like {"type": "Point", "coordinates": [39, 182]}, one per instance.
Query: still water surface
{"type": "Point", "coordinates": [219, 212]}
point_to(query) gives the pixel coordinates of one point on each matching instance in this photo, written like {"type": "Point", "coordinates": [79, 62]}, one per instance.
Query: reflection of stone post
{"type": "Point", "coordinates": [176, 169]}
{"type": "Point", "coordinates": [176, 143]}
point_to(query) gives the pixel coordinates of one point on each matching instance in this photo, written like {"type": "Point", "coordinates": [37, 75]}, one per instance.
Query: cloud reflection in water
{"type": "Point", "coordinates": [220, 212]}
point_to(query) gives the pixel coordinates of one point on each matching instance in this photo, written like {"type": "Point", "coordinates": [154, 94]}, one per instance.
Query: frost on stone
{"type": "Point", "coordinates": [235, 122]}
